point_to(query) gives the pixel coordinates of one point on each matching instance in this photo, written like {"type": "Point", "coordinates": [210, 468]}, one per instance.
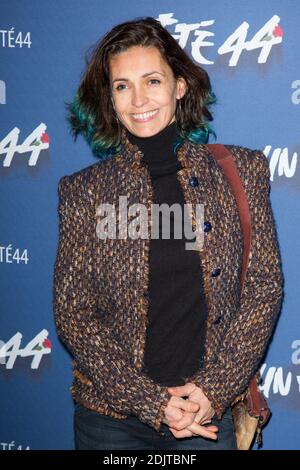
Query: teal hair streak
{"type": "Point", "coordinates": [82, 122]}
{"type": "Point", "coordinates": [198, 136]}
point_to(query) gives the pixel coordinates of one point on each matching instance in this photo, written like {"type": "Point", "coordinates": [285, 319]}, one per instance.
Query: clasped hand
{"type": "Point", "coordinates": [186, 418]}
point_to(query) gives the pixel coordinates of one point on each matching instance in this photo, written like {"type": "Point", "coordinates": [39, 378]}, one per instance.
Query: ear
{"type": "Point", "coordinates": [181, 88]}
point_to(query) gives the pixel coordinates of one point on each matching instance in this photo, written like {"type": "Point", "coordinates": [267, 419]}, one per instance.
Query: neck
{"type": "Point", "coordinates": [159, 147]}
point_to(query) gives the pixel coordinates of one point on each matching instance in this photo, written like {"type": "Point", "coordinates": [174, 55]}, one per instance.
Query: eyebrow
{"type": "Point", "coordinates": [145, 75]}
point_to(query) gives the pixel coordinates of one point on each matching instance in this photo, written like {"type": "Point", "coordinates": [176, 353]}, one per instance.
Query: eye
{"type": "Point", "coordinates": [154, 80]}
{"type": "Point", "coordinates": [118, 87]}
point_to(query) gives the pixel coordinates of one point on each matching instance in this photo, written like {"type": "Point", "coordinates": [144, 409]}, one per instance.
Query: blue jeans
{"type": "Point", "coordinates": [96, 431]}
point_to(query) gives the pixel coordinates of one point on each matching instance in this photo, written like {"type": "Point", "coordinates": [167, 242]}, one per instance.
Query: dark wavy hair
{"type": "Point", "coordinates": [91, 113]}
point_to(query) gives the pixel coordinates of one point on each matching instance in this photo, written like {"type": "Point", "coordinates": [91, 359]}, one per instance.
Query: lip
{"type": "Point", "coordinates": [146, 119]}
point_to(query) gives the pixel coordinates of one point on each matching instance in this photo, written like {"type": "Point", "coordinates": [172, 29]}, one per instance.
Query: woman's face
{"type": "Point", "coordinates": [142, 82]}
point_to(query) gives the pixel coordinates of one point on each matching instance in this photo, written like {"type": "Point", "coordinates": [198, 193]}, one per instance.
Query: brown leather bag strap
{"type": "Point", "coordinates": [227, 162]}
{"type": "Point", "coordinates": [257, 405]}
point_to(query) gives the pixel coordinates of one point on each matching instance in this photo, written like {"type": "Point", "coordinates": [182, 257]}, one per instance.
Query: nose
{"type": "Point", "coordinates": [139, 97]}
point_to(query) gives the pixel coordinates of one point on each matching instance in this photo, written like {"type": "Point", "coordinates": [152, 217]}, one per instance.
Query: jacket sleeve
{"type": "Point", "coordinates": [246, 339]}
{"type": "Point", "coordinates": [92, 344]}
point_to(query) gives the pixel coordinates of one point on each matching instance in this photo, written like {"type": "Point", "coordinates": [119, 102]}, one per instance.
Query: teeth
{"type": "Point", "coordinates": [144, 115]}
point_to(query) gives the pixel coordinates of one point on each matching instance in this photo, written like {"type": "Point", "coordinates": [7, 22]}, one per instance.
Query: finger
{"type": "Point", "coordinates": [204, 422]}
{"type": "Point", "coordinates": [209, 432]}
{"type": "Point", "coordinates": [181, 434]}
{"type": "Point", "coordinates": [188, 433]}
{"type": "Point", "coordinates": [200, 417]}
{"type": "Point", "coordinates": [186, 420]}
{"type": "Point", "coordinates": [186, 405]}
{"type": "Point", "coordinates": [174, 414]}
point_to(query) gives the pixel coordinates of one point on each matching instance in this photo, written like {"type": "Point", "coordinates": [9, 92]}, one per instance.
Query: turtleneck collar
{"type": "Point", "coordinates": [158, 148]}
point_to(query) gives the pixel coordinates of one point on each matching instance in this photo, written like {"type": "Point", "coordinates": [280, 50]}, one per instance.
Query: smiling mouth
{"type": "Point", "coordinates": [144, 116]}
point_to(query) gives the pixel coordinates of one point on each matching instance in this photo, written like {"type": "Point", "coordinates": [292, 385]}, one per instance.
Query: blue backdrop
{"type": "Point", "coordinates": [251, 51]}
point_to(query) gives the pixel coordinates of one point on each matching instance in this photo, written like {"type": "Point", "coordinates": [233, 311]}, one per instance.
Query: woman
{"type": "Point", "coordinates": [162, 342]}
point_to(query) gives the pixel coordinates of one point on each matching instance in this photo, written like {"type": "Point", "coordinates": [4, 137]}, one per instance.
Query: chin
{"type": "Point", "coordinates": [146, 132]}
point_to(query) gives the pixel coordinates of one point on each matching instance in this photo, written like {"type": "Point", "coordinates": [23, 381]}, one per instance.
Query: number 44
{"type": "Point", "coordinates": [37, 348]}
{"type": "Point", "coordinates": [37, 141]}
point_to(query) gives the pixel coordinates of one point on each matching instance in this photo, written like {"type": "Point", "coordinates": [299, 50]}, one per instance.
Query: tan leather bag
{"type": "Point", "coordinates": [250, 410]}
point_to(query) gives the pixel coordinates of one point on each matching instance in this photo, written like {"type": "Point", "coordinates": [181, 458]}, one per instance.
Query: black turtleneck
{"type": "Point", "coordinates": [177, 310]}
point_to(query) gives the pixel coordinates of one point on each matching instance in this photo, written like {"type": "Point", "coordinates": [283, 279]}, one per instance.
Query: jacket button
{"type": "Point", "coordinates": [193, 181]}
{"type": "Point", "coordinates": [207, 226]}
{"type": "Point", "coordinates": [217, 320]}
{"type": "Point", "coordinates": [216, 272]}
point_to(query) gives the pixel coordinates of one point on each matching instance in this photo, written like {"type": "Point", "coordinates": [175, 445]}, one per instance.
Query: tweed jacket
{"type": "Point", "coordinates": [101, 286]}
